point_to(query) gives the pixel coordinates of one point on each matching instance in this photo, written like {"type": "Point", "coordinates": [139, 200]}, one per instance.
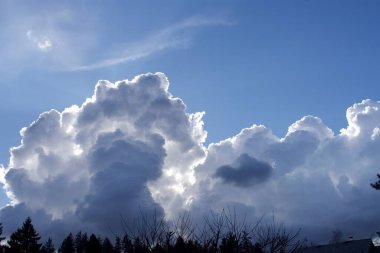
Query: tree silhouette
{"type": "Point", "coordinates": [107, 246]}
{"type": "Point", "coordinates": [127, 245]}
{"type": "Point", "coordinates": [48, 247]}
{"type": "Point", "coordinates": [139, 247]}
{"type": "Point", "coordinates": [376, 185]}
{"type": "Point", "coordinates": [93, 245]}
{"type": "Point", "coordinates": [117, 248]}
{"type": "Point", "coordinates": [67, 245]}
{"type": "Point", "coordinates": [1, 233]}
{"type": "Point", "coordinates": [220, 233]}
{"type": "Point", "coordinates": [180, 245]}
{"type": "Point", "coordinates": [25, 239]}
{"type": "Point", "coordinates": [230, 244]}
{"type": "Point", "coordinates": [80, 242]}
{"type": "Point", "coordinates": [2, 247]}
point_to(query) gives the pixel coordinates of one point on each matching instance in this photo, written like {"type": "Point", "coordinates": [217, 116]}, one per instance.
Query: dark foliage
{"type": "Point", "coordinates": [127, 245]}
{"type": "Point", "coordinates": [1, 233]}
{"type": "Point", "coordinates": [93, 245]}
{"type": "Point", "coordinates": [25, 239]}
{"type": "Point", "coordinates": [376, 185]}
{"type": "Point", "coordinates": [48, 246]}
{"type": "Point", "coordinates": [117, 248]}
{"type": "Point", "coordinates": [2, 247]}
{"type": "Point", "coordinates": [107, 246]}
{"type": "Point", "coordinates": [219, 233]}
{"type": "Point", "coordinates": [67, 245]}
{"type": "Point", "coordinates": [80, 242]}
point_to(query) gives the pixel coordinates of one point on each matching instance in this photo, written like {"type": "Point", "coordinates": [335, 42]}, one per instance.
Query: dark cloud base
{"type": "Point", "coordinates": [246, 171]}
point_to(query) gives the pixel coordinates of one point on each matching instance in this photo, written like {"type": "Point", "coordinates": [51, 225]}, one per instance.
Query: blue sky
{"type": "Point", "coordinates": [242, 62]}
{"type": "Point", "coordinates": [266, 62]}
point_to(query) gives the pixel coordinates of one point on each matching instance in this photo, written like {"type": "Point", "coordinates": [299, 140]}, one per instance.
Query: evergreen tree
{"type": "Point", "coordinates": [1, 233]}
{"type": "Point", "coordinates": [2, 247]}
{"type": "Point", "coordinates": [25, 239]}
{"type": "Point", "coordinates": [107, 246]}
{"type": "Point", "coordinates": [127, 245]}
{"type": "Point", "coordinates": [67, 245]}
{"type": "Point", "coordinates": [117, 248]}
{"type": "Point", "coordinates": [80, 243]}
{"type": "Point", "coordinates": [93, 245]}
{"type": "Point", "coordinates": [48, 247]}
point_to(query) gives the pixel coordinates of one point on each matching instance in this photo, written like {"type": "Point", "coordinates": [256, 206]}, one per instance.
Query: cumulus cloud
{"type": "Point", "coordinates": [92, 165]}
{"type": "Point", "coordinates": [132, 146]}
{"type": "Point", "coordinates": [320, 181]}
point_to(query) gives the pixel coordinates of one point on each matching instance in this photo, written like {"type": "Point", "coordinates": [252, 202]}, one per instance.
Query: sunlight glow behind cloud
{"type": "Point", "coordinates": [133, 146]}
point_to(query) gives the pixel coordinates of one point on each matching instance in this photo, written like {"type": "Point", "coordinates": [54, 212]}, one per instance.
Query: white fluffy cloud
{"type": "Point", "coordinates": [108, 158]}
{"type": "Point", "coordinates": [320, 181]}
{"type": "Point", "coordinates": [132, 146]}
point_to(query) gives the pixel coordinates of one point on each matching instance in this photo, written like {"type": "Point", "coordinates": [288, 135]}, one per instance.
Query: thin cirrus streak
{"type": "Point", "coordinates": [174, 36]}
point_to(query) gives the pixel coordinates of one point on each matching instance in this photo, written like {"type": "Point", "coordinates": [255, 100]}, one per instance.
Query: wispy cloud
{"type": "Point", "coordinates": [31, 34]}
{"type": "Point", "coordinates": [43, 39]}
{"type": "Point", "coordinates": [43, 43]}
{"type": "Point", "coordinates": [175, 36]}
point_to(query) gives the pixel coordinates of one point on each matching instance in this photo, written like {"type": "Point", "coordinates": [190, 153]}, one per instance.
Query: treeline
{"type": "Point", "coordinates": [218, 233]}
